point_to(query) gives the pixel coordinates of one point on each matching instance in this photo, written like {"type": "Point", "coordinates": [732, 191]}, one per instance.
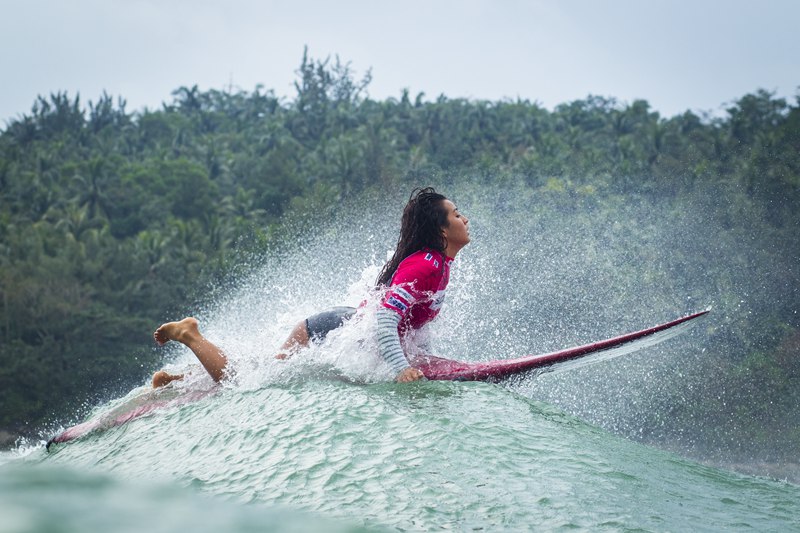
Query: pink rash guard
{"type": "Point", "coordinates": [415, 295]}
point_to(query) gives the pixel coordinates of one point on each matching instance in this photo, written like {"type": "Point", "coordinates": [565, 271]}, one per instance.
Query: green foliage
{"type": "Point", "coordinates": [101, 209]}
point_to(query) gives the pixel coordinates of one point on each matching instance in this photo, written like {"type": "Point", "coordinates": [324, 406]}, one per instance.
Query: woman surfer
{"type": "Point", "coordinates": [432, 232]}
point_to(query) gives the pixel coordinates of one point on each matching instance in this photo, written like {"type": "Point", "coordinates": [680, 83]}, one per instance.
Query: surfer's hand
{"type": "Point", "coordinates": [409, 374]}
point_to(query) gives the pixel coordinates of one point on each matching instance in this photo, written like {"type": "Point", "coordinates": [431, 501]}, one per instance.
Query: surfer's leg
{"type": "Point", "coordinates": [298, 338]}
{"type": "Point", "coordinates": [187, 332]}
{"type": "Point", "coordinates": [315, 327]}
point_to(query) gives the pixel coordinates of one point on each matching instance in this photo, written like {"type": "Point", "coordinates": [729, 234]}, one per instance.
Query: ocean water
{"type": "Point", "coordinates": [317, 453]}
{"type": "Point", "coordinates": [325, 441]}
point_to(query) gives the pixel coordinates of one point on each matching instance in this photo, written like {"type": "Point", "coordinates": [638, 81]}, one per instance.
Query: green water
{"type": "Point", "coordinates": [432, 455]}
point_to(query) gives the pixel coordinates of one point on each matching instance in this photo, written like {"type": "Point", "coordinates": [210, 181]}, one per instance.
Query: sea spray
{"type": "Point", "coordinates": [545, 271]}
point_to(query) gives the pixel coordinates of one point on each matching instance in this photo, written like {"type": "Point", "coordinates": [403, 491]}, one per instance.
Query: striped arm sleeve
{"type": "Point", "coordinates": [389, 339]}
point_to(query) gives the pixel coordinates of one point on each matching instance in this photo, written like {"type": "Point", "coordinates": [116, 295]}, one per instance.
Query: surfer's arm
{"type": "Point", "coordinates": [390, 348]}
{"type": "Point", "coordinates": [389, 340]}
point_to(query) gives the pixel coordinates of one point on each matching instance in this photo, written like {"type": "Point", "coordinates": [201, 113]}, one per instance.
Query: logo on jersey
{"type": "Point", "coordinates": [429, 256]}
{"type": "Point", "coordinates": [404, 294]}
{"type": "Point", "coordinates": [395, 302]}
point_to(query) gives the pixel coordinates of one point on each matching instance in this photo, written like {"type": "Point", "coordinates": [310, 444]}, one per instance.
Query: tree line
{"type": "Point", "coordinates": [102, 209]}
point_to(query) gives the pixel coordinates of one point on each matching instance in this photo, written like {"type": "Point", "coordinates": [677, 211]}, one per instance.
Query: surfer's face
{"type": "Point", "coordinates": [456, 233]}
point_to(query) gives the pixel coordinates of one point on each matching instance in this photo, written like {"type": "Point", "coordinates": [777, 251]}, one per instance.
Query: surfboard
{"type": "Point", "coordinates": [138, 407]}
{"type": "Point", "coordinates": [439, 368]}
{"type": "Point", "coordinates": [434, 368]}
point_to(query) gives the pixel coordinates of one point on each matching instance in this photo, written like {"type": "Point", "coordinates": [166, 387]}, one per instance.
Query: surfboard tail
{"type": "Point", "coordinates": [127, 413]}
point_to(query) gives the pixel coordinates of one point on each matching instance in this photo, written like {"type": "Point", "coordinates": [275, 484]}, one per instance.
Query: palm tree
{"type": "Point", "coordinates": [91, 189]}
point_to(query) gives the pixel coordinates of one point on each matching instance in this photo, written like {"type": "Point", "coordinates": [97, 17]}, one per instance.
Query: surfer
{"type": "Point", "coordinates": [432, 232]}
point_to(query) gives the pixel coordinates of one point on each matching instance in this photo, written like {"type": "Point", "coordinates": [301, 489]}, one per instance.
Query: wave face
{"type": "Point", "coordinates": [420, 457]}
{"type": "Point", "coordinates": [326, 440]}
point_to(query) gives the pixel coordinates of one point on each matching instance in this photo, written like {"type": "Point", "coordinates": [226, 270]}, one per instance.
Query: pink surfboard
{"type": "Point", "coordinates": [125, 414]}
{"type": "Point", "coordinates": [434, 368]}
{"type": "Point", "coordinates": [438, 368]}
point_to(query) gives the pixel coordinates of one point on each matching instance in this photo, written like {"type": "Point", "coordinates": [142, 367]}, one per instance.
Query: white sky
{"type": "Point", "coordinates": [677, 54]}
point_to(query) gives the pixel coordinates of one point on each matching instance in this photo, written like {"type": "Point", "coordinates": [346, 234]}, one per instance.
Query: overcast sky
{"type": "Point", "coordinates": [677, 54]}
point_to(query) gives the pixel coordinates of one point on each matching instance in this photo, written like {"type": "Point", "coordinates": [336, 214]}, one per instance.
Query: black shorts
{"type": "Point", "coordinates": [321, 324]}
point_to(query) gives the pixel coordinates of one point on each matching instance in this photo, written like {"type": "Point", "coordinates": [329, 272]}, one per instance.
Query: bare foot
{"type": "Point", "coordinates": [181, 331]}
{"type": "Point", "coordinates": [162, 378]}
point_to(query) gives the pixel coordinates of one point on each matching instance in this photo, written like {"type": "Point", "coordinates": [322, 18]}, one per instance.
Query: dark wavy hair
{"type": "Point", "coordinates": [421, 227]}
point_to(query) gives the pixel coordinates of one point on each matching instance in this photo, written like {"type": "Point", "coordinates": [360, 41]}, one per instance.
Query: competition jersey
{"type": "Point", "coordinates": [417, 289]}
